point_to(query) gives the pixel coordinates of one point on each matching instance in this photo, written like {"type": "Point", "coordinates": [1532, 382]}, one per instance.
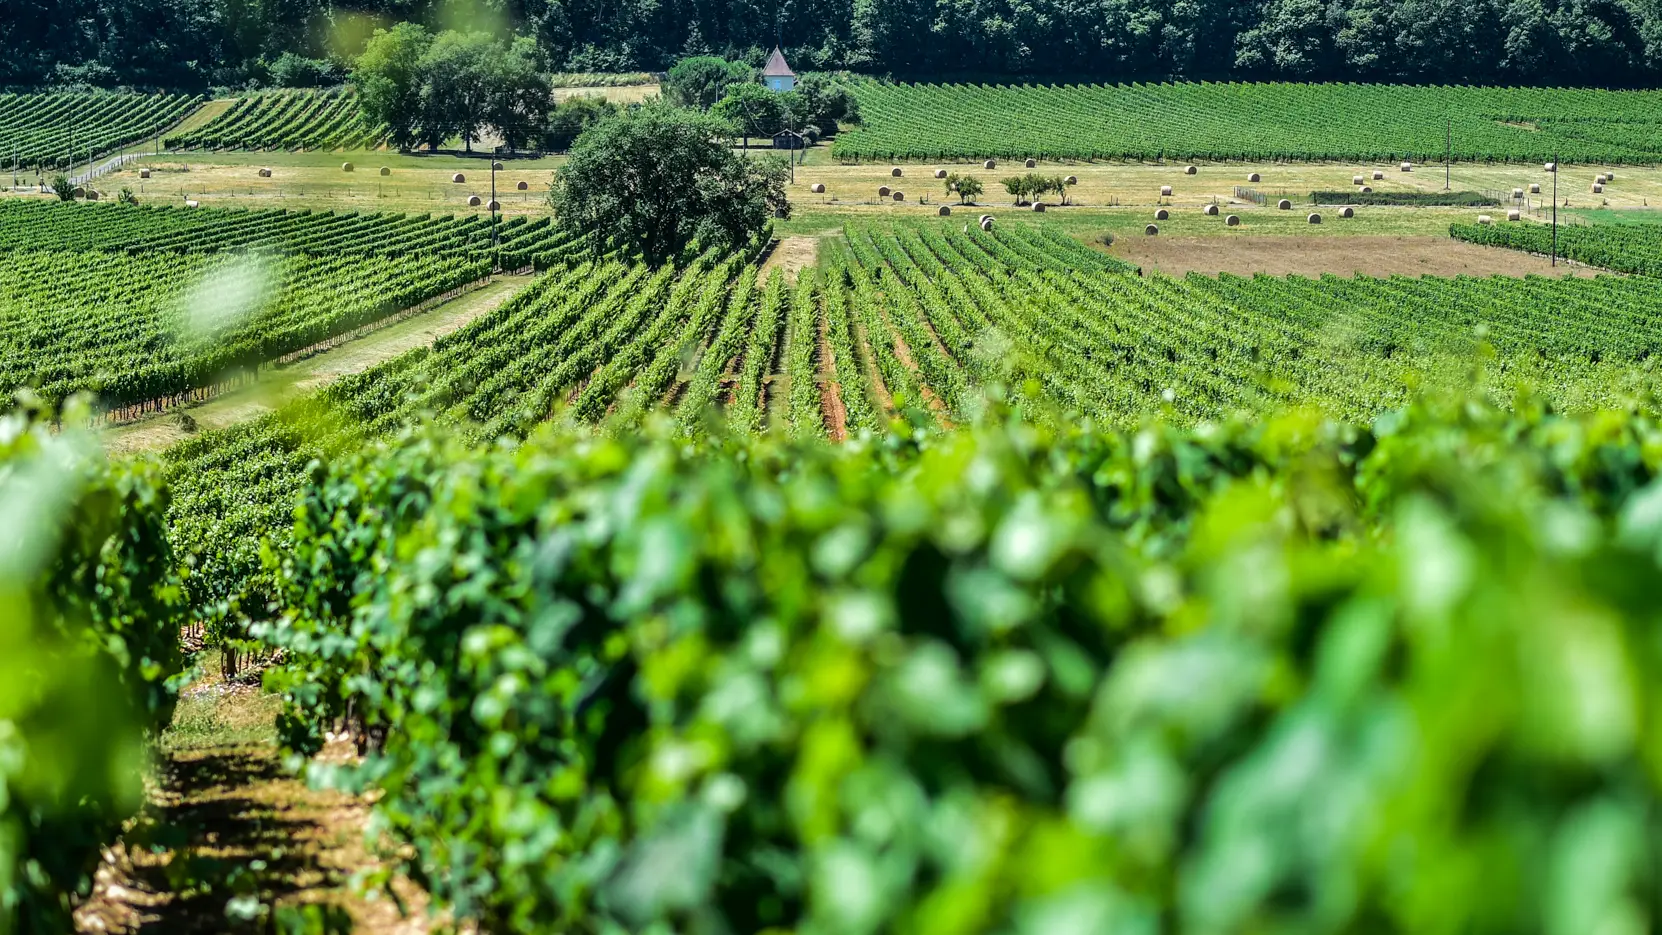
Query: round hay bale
{"type": "Point", "coordinates": [1032, 163]}
{"type": "Point", "coordinates": [896, 172]}
{"type": "Point", "coordinates": [79, 192]}
{"type": "Point", "coordinates": [346, 167]}
{"type": "Point", "coordinates": [1347, 212]}
{"type": "Point", "coordinates": [1517, 193]}
{"type": "Point", "coordinates": [1609, 176]}
{"type": "Point", "coordinates": [523, 186]}
{"type": "Point", "coordinates": [990, 164]}
{"type": "Point", "coordinates": [1534, 188]}
{"type": "Point", "coordinates": [818, 188]}
{"type": "Point", "coordinates": [1151, 230]}
{"type": "Point", "coordinates": [385, 171]}
{"type": "Point", "coordinates": [1039, 207]}
{"type": "Point", "coordinates": [1210, 211]}
{"type": "Point", "coordinates": [1408, 167]}
{"type": "Point", "coordinates": [458, 178]}
{"type": "Point", "coordinates": [1191, 170]}
{"type": "Point", "coordinates": [1232, 220]}
{"type": "Point", "coordinates": [1598, 189]}
{"type": "Point", "coordinates": [1514, 215]}
{"type": "Point", "coordinates": [884, 191]}
{"type": "Point", "coordinates": [1600, 180]}
{"type": "Point", "coordinates": [899, 196]}
{"type": "Point", "coordinates": [497, 166]}
{"type": "Point", "coordinates": [940, 173]}
{"type": "Point", "coordinates": [191, 203]}
{"type": "Point", "coordinates": [1378, 175]}
{"type": "Point", "coordinates": [1357, 180]}
{"type": "Point", "coordinates": [473, 201]}
{"type": "Point", "coordinates": [1165, 191]}
{"type": "Point", "coordinates": [1367, 189]}
{"type": "Point", "coordinates": [144, 173]}
{"type": "Point", "coordinates": [92, 195]}
{"type": "Point", "coordinates": [945, 212]}
{"type": "Point", "coordinates": [493, 205]}
{"type": "Point", "coordinates": [1551, 167]}
{"type": "Point", "coordinates": [1314, 219]}
{"type": "Point", "coordinates": [1255, 177]}
{"type": "Point", "coordinates": [1485, 219]}
{"type": "Point", "coordinates": [1284, 205]}
{"type": "Point", "coordinates": [265, 173]}
{"type": "Point", "coordinates": [987, 224]}
{"type": "Point", "coordinates": [1071, 180]}
{"type": "Point", "coordinates": [1162, 214]}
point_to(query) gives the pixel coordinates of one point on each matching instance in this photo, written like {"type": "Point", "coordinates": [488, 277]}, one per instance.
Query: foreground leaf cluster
{"type": "Point", "coordinates": [1291, 676]}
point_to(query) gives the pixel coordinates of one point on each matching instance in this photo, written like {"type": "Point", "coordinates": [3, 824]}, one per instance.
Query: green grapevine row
{"type": "Point", "coordinates": [1291, 676]}
{"type": "Point", "coordinates": [33, 225]}
{"type": "Point", "coordinates": [92, 610]}
{"type": "Point", "coordinates": [1623, 248]}
{"type": "Point", "coordinates": [57, 130]}
{"type": "Point", "coordinates": [1254, 122]}
{"type": "Point", "coordinates": [132, 329]}
{"type": "Point", "coordinates": [286, 120]}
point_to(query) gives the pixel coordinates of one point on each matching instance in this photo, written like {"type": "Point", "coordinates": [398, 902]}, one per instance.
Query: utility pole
{"type": "Point", "coordinates": [1448, 153]}
{"type": "Point", "coordinates": [1555, 168]}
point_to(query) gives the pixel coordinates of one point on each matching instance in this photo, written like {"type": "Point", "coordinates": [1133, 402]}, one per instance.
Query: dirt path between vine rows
{"type": "Point", "coordinates": [229, 839]}
{"type": "Point", "coordinates": [279, 385]}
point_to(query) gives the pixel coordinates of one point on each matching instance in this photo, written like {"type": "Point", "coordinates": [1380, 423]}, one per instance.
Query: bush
{"type": "Point", "coordinates": [573, 116]}
{"type": "Point", "coordinates": [1281, 677]}
{"type": "Point", "coordinates": [89, 640]}
{"type": "Point", "coordinates": [297, 71]}
{"type": "Point", "coordinates": [1419, 199]}
{"type": "Point", "coordinates": [63, 188]}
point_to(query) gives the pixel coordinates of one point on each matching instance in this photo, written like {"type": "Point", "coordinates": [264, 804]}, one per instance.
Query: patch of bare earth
{"type": "Point", "coordinates": [1312, 256]}
{"type": "Point", "coordinates": [790, 256]}
{"type": "Point", "coordinates": [229, 838]}
{"type": "Point", "coordinates": [830, 391]}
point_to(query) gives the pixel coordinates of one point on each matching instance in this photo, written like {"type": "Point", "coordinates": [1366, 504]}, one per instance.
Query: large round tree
{"type": "Point", "coordinates": [655, 179]}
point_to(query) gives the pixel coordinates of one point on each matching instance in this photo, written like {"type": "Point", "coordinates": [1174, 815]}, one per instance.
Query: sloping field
{"type": "Point", "coordinates": [1240, 122]}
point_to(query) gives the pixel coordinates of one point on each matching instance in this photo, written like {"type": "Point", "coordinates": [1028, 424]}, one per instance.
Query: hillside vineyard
{"type": "Point", "coordinates": [1254, 122]}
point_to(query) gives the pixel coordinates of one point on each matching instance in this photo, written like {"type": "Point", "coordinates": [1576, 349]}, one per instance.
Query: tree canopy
{"type": "Point", "coordinates": [428, 88]}
{"type": "Point", "coordinates": [656, 180]}
{"type": "Point", "coordinates": [198, 43]}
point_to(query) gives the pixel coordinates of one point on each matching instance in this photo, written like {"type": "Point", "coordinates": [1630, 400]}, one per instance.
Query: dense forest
{"type": "Point", "coordinates": [201, 43]}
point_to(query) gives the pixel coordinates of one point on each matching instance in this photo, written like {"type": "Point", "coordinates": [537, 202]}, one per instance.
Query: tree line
{"type": "Point", "coordinates": [234, 43]}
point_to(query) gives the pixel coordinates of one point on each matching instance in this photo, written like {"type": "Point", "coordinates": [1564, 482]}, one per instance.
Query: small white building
{"type": "Point", "coordinates": [777, 75]}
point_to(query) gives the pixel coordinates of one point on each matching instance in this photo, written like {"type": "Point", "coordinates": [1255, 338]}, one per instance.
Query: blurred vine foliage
{"type": "Point", "coordinates": [89, 639]}
{"type": "Point", "coordinates": [1285, 677]}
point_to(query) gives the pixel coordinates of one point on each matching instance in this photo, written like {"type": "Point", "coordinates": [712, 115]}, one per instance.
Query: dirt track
{"type": "Point", "coordinates": [1310, 256]}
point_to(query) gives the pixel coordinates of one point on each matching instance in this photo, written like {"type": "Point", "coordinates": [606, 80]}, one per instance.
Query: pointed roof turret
{"type": "Point", "coordinates": [776, 67]}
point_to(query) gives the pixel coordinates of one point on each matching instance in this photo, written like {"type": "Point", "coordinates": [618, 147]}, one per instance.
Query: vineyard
{"type": "Point", "coordinates": [142, 328]}
{"type": "Point", "coordinates": [54, 131]}
{"type": "Point", "coordinates": [914, 322]}
{"type": "Point", "coordinates": [1254, 122]}
{"type": "Point", "coordinates": [286, 120]}
{"type": "Point", "coordinates": [30, 226]}
{"type": "Point", "coordinates": [1625, 248]}
{"type": "Point", "coordinates": [1107, 585]}
{"type": "Point", "coordinates": [859, 688]}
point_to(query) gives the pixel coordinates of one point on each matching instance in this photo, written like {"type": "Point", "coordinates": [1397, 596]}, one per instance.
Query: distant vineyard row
{"type": "Point", "coordinates": [132, 329]}
{"type": "Point", "coordinates": [914, 322]}
{"type": "Point", "coordinates": [54, 131]}
{"type": "Point", "coordinates": [286, 120]}
{"type": "Point", "coordinates": [33, 225]}
{"type": "Point", "coordinates": [1255, 122]}
{"type": "Point", "coordinates": [1625, 249]}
